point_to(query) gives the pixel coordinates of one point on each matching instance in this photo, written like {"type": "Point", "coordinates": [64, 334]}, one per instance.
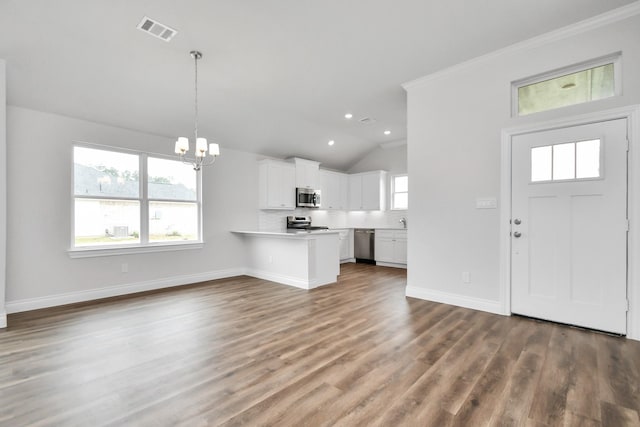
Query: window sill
{"type": "Point", "coordinates": [120, 250]}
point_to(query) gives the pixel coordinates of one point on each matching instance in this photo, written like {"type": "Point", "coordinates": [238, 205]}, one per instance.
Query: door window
{"type": "Point", "coordinates": [566, 161]}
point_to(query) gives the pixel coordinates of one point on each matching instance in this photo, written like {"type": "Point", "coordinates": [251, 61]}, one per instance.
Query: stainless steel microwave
{"type": "Point", "coordinates": [307, 198]}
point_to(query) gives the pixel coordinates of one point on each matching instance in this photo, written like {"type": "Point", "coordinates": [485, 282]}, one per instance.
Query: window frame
{"type": "Point", "coordinates": [144, 246]}
{"type": "Point", "coordinates": [615, 59]}
{"type": "Point", "coordinates": [393, 192]}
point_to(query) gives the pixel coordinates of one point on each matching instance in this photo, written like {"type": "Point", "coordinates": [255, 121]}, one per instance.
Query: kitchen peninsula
{"type": "Point", "coordinates": [302, 259]}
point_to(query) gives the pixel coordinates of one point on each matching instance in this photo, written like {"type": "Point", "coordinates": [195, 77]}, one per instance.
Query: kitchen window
{"type": "Point", "coordinates": [127, 199]}
{"type": "Point", "coordinates": [399, 192]}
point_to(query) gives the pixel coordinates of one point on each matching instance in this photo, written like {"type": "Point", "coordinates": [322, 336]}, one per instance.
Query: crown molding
{"type": "Point", "coordinates": [580, 27]}
{"type": "Point", "coordinates": [393, 144]}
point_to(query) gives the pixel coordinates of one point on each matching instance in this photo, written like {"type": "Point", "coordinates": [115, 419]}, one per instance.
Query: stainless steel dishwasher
{"type": "Point", "coordinates": [364, 245]}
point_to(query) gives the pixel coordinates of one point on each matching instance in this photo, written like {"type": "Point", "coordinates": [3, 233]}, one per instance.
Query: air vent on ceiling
{"type": "Point", "coordinates": [367, 120]}
{"type": "Point", "coordinates": [156, 29]}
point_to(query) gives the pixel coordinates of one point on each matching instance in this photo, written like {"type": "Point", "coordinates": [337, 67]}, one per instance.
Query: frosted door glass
{"type": "Point", "coordinates": [564, 161]}
{"type": "Point", "coordinates": [541, 164]}
{"type": "Point", "coordinates": [588, 159]}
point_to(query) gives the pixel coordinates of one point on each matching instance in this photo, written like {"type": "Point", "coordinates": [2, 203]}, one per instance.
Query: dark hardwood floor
{"type": "Point", "coordinates": [244, 351]}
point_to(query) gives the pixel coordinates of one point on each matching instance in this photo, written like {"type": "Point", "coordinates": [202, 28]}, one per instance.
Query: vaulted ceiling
{"type": "Point", "coordinates": [277, 76]}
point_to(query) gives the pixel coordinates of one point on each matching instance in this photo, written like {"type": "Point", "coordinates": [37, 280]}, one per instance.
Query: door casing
{"type": "Point", "coordinates": [632, 115]}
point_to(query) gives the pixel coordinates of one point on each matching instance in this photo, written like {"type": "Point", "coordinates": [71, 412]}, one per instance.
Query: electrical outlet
{"type": "Point", "coordinates": [124, 267]}
{"type": "Point", "coordinates": [466, 277]}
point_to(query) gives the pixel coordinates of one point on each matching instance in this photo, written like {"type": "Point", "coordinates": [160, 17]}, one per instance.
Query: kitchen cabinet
{"type": "Point", "coordinates": [367, 191]}
{"type": "Point", "coordinates": [391, 246]}
{"type": "Point", "coordinates": [346, 244]}
{"type": "Point", "coordinates": [307, 173]}
{"type": "Point", "coordinates": [334, 187]}
{"type": "Point", "coordinates": [277, 186]}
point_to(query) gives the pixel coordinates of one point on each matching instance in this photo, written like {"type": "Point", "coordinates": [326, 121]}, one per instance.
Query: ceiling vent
{"type": "Point", "coordinates": [367, 120]}
{"type": "Point", "coordinates": [156, 29]}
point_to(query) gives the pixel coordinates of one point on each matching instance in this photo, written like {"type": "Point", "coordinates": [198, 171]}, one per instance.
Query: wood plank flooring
{"type": "Point", "coordinates": [244, 351]}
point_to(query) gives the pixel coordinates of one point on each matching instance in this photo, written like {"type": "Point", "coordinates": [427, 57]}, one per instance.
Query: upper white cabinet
{"type": "Point", "coordinates": [367, 191]}
{"type": "Point", "coordinates": [277, 185]}
{"type": "Point", "coordinates": [334, 188]}
{"type": "Point", "coordinates": [307, 173]}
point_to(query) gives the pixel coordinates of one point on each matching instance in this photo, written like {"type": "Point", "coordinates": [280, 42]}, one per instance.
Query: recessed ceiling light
{"type": "Point", "coordinates": [331, 142]}
{"type": "Point", "coordinates": [387, 132]}
{"type": "Point", "coordinates": [348, 116]}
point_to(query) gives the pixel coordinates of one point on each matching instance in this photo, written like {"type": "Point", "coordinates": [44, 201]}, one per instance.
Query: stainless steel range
{"type": "Point", "coordinates": [301, 224]}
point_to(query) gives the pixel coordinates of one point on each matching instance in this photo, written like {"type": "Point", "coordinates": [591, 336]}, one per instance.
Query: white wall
{"type": "Point", "coordinates": [39, 270]}
{"type": "Point", "coordinates": [3, 189]}
{"type": "Point", "coordinates": [454, 126]}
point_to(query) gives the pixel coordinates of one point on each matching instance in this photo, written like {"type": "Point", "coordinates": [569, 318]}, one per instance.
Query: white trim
{"type": "Point", "coordinates": [346, 260]}
{"type": "Point", "coordinates": [88, 252]}
{"type": "Point", "coordinates": [391, 264]}
{"type": "Point", "coordinates": [286, 280]}
{"type": "Point", "coordinates": [584, 26]}
{"type": "Point", "coordinates": [632, 115]}
{"type": "Point", "coordinates": [454, 299]}
{"type": "Point", "coordinates": [393, 144]}
{"type": "Point", "coordinates": [3, 319]}
{"type": "Point", "coordinates": [117, 290]}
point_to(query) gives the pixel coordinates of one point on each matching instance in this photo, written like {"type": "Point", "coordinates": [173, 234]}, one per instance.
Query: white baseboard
{"type": "Point", "coordinates": [279, 278]}
{"type": "Point", "coordinates": [455, 299]}
{"type": "Point", "coordinates": [3, 319]}
{"type": "Point", "coordinates": [391, 264]}
{"type": "Point", "coordinates": [112, 291]}
{"type": "Point", "coordinates": [344, 261]}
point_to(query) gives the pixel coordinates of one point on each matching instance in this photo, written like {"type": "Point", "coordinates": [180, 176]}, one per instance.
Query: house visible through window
{"type": "Point", "coordinates": [114, 190]}
{"type": "Point", "coordinates": [399, 192]}
{"type": "Point", "coordinates": [573, 85]}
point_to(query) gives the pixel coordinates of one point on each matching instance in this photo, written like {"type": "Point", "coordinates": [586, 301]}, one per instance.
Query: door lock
{"type": "Point", "coordinates": [517, 221]}
{"type": "Point", "coordinates": [517, 234]}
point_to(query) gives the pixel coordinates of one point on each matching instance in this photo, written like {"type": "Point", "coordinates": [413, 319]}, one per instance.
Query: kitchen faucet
{"type": "Point", "coordinates": [403, 221]}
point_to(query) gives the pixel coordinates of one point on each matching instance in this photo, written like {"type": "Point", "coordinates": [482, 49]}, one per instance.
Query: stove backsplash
{"type": "Point", "coordinates": [276, 220]}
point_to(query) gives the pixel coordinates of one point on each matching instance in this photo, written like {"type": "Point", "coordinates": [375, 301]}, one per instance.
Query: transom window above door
{"type": "Point", "coordinates": [577, 84]}
{"type": "Point", "coordinates": [566, 161]}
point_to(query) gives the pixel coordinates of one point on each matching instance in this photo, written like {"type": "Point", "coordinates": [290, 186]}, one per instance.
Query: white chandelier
{"type": "Point", "coordinates": [201, 158]}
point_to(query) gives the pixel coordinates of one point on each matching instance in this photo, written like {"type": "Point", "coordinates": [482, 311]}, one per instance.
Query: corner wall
{"type": "Point", "coordinates": [40, 273]}
{"type": "Point", "coordinates": [3, 190]}
{"type": "Point", "coordinates": [455, 118]}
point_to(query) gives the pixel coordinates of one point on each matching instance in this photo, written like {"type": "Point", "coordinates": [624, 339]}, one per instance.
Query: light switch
{"type": "Point", "coordinates": [486, 203]}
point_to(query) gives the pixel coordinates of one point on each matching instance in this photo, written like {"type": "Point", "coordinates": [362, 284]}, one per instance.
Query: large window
{"type": "Point", "coordinates": [399, 192]}
{"type": "Point", "coordinates": [113, 190]}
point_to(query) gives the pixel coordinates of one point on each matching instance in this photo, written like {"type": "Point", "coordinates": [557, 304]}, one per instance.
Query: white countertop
{"type": "Point", "coordinates": [297, 234]}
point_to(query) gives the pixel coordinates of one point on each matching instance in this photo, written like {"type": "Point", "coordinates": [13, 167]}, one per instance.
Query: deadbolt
{"type": "Point", "coordinates": [517, 221]}
{"type": "Point", "coordinates": [517, 234]}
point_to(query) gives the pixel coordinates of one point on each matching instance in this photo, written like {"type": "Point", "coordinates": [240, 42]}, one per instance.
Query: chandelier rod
{"type": "Point", "coordinates": [196, 55]}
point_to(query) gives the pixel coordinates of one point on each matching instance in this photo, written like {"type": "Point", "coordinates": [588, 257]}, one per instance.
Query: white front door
{"type": "Point", "coordinates": [569, 225]}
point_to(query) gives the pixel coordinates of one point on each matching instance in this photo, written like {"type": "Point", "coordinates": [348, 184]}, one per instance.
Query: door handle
{"type": "Point", "coordinates": [517, 234]}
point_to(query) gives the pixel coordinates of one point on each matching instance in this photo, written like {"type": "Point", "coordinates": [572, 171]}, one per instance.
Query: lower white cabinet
{"type": "Point", "coordinates": [346, 244]}
{"type": "Point", "coordinates": [391, 246]}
